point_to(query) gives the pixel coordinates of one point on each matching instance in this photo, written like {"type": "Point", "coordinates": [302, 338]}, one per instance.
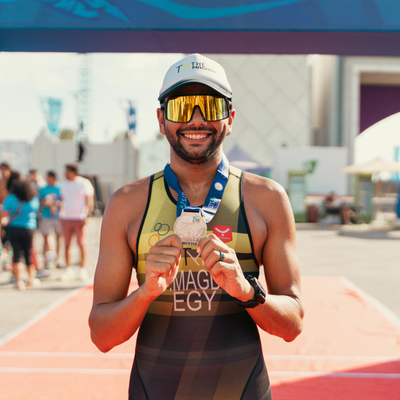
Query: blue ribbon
{"type": "Point", "coordinates": [214, 195]}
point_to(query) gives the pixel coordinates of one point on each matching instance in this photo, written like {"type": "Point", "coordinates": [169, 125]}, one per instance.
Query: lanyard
{"type": "Point", "coordinates": [214, 195]}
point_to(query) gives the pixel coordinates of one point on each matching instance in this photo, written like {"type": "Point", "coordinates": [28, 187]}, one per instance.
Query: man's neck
{"type": "Point", "coordinates": [195, 179]}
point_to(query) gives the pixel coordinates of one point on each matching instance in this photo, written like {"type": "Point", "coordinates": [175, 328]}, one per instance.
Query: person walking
{"type": "Point", "coordinates": [50, 201]}
{"type": "Point", "coordinates": [20, 207]}
{"type": "Point", "coordinates": [196, 234]}
{"type": "Point", "coordinates": [76, 205]}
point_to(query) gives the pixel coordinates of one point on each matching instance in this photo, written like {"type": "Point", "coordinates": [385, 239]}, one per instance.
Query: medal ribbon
{"type": "Point", "coordinates": [214, 195]}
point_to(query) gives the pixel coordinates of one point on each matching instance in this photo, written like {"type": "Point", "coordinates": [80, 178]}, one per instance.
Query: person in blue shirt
{"type": "Point", "coordinates": [50, 200]}
{"type": "Point", "coordinates": [21, 206]}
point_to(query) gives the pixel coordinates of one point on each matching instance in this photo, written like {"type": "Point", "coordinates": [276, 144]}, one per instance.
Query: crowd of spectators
{"type": "Point", "coordinates": [58, 210]}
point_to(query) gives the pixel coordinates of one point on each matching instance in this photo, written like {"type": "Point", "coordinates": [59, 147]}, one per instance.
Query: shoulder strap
{"type": "Point", "coordinates": [235, 171]}
{"type": "Point", "coordinates": [16, 213]}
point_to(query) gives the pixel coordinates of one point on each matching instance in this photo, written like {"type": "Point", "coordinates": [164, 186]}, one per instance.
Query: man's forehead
{"type": "Point", "coordinates": [194, 88]}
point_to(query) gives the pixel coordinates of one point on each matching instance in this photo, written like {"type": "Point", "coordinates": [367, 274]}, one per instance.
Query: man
{"type": "Point", "coordinates": [76, 205]}
{"type": "Point", "coordinates": [50, 201]}
{"type": "Point", "coordinates": [198, 305]}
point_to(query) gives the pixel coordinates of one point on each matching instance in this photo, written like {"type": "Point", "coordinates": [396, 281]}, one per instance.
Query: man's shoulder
{"type": "Point", "coordinates": [136, 192]}
{"type": "Point", "coordinates": [49, 189]}
{"type": "Point", "coordinates": [260, 185]}
{"type": "Point", "coordinates": [81, 180]}
{"type": "Point", "coordinates": [136, 188]}
{"type": "Point", "coordinates": [86, 184]}
{"type": "Point", "coordinates": [266, 198]}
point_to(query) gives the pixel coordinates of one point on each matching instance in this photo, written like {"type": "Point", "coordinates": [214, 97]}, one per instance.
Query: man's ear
{"type": "Point", "coordinates": [230, 122]}
{"type": "Point", "coordinates": [161, 120]}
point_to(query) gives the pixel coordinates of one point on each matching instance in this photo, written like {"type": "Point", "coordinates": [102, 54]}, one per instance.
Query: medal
{"type": "Point", "coordinates": [190, 226]}
{"type": "Point", "coordinates": [191, 223]}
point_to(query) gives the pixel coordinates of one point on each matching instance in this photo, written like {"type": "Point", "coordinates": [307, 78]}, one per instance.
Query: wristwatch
{"type": "Point", "coordinates": [259, 294]}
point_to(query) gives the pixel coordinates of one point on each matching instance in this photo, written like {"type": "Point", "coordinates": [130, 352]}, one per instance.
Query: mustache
{"type": "Point", "coordinates": [209, 129]}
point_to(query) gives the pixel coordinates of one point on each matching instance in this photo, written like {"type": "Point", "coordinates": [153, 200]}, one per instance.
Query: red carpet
{"type": "Point", "coordinates": [349, 349]}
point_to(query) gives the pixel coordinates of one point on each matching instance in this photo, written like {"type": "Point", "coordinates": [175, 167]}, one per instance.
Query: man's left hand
{"type": "Point", "coordinates": [227, 273]}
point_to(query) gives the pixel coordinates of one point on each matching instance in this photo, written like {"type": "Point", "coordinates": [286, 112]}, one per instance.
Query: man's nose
{"type": "Point", "coordinates": [197, 117]}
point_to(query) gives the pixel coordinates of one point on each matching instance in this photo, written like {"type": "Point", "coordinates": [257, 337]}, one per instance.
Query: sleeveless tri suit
{"type": "Point", "coordinates": [195, 341]}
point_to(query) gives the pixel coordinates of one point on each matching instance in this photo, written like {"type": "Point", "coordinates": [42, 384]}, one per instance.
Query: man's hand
{"type": "Point", "coordinates": [226, 273]}
{"type": "Point", "coordinates": [162, 265]}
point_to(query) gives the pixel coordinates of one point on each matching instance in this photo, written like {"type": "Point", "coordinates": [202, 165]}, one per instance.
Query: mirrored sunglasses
{"type": "Point", "coordinates": [180, 109]}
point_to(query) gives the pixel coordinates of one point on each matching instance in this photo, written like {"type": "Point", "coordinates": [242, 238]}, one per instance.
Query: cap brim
{"type": "Point", "coordinates": [212, 85]}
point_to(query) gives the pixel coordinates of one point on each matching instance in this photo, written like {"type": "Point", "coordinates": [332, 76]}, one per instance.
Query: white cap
{"type": "Point", "coordinates": [196, 69]}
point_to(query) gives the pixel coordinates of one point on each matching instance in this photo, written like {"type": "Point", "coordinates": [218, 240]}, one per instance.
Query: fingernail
{"type": "Point", "coordinates": [198, 250]}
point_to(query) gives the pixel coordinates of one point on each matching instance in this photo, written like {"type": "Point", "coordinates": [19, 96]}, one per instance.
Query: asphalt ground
{"type": "Point", "coordinates": [18, 308]}
{"type": "Point", "coordinates": [369, 259]}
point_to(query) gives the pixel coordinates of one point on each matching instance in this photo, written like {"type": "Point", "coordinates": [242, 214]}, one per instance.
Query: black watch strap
{"type": "Point", "coordinates": [259, 294]}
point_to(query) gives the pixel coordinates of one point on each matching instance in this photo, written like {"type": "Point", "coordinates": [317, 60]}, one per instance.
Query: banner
{"type": "Point", "coordinates": [130, 115]}
{"type": "Point", "coordinates": [52, 112]}
{"type": "Point", "coordinates": [244, 15]}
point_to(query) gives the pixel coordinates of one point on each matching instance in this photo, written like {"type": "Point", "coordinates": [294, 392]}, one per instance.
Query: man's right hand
{"type": "Point", "coordinates": [162, 265]}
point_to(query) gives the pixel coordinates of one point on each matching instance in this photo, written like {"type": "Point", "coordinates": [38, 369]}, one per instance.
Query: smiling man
{"type": "Point", "coordinates": [197, 234]}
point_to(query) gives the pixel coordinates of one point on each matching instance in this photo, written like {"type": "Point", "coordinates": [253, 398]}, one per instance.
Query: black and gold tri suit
{"type": "Point", "coordinates": [195, 341]}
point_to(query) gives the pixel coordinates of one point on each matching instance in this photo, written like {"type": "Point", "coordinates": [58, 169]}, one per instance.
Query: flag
{"type": "Point", "coordinates": [52, 112]}
{"type": "Point", "coordinates": [131, 115]}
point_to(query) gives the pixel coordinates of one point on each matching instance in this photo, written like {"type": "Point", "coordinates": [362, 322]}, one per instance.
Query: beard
{"type": "Point", "coordinates": [195, 155]}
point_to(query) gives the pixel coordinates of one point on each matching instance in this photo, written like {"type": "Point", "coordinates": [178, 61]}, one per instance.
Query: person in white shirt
{"type": "Point", "coordinates": [77, 204]}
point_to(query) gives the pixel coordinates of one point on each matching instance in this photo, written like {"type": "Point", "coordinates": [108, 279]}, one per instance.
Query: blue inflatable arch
{"type": "Point", "coordinates": [345, 27]}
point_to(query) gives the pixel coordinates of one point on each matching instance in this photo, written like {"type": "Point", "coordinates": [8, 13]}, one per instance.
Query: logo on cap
{"type": "Point", "coordinates": [195, 65]}
{"type": "Point", "coordinates": [186, 68]}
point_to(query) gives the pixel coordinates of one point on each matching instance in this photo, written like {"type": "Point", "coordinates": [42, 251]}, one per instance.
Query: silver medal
{"type": "Point", "coordinates": [190, 227]}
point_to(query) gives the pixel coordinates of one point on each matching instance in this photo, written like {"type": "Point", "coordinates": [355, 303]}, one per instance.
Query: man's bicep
{"type": "Point", "coordinates": [281, 264]}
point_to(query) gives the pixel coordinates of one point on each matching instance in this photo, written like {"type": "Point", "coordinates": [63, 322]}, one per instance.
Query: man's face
{"type": "Point", "coordinates": [198, 140]}
{"type": "Point", "coordinates": [5, 172]}
{"type": "Point", "coordinates": [50, 180]}
{"type": "Point", "coordinates": [33, 176]}
{"type": "Point", "coordinates": [70, 175]}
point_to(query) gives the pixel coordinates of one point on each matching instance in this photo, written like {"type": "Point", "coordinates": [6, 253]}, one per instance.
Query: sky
{"type": "Point", "coordinates": [26, 77]}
